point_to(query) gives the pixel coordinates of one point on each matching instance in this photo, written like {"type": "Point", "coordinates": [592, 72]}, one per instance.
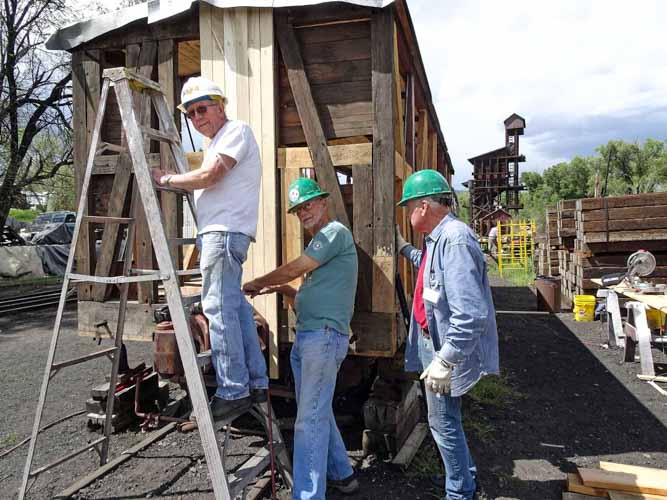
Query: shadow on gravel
{"type": "Point", "coordinates": [567, 405]}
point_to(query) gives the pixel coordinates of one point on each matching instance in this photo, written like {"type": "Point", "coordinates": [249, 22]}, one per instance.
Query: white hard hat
{"type": "Point", "coordinates": [198, 88]}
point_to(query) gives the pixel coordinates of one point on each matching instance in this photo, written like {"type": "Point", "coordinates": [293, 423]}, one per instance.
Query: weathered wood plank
{"type": "Point", "coordinates": [335, 51]}
{"type": "Point", "coordinates": [362, 224]}
{"type": "Point", "coordinates": [86, 74]}
{"type": "Point", "coordinates": [628, 213]}
{"type": "Point", "coordinates": [625, 224]}
{"type": "Point", "coordinates": [333, 93]}
{"type": "Point", "coordinates": [422, 140]}
{"type": "Point", "coordinates": [310, 121]}
{"type": "Point", "coordinates": [270, 179]}
{"type": "Point", "coordinates": [338, 72]}
{"type": "Point", "coordinates": [637, 200]}
{"type": "Point", "coordinates": [171, 203]}
{"type": "Point", "coordinates": [327, 13]}
{"type": "Point", "coordinates": [399, 124]}
{"type": "Point", "coordinates": [332, 115]}
{"type": "Point", "coordinates": [383, 162]}
{"type": "Point", "coordinates": [617, 236]}
{"type": "Point", "coordinates": [334, 32]}
{"type": "Point", "coordinates": [146, 292]}
{"type": "Point", "coordinates": [371, 330]}
{"type": "Point", "coordinates": [343, 155]}
{"type": "Point", "coordinates": [411, 446]}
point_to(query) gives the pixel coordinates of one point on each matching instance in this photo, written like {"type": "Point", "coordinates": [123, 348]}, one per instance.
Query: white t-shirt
{"type": "Point", "coordinates": [232, 203]}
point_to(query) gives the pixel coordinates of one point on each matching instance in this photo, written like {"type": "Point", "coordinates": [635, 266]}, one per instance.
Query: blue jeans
{"type": "Point", "coordinates": [319, 451]}
{"type": "Point", "coordinates": [444, 419]}
{"type": "Point", "coordinates": [235, 352]}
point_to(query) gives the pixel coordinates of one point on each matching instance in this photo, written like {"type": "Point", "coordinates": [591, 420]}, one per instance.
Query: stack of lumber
{"type": "Point", "coordinates": [567, 232]}
{"type": "Point", "coordinates": [617, 482]}
{"type": "Point", "coordinates": [608, 230]}
{"type": "Point", "coordinates": [540, 255]}
{"type": "Point", "coordinates": [553, 244]}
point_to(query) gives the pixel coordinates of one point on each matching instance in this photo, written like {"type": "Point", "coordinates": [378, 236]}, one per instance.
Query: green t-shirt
{"type": "Point", "coordinates": [326, 297]}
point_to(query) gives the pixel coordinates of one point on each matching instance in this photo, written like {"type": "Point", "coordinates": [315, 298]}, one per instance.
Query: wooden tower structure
{"type": "Point", "coordinates": [495, 182]}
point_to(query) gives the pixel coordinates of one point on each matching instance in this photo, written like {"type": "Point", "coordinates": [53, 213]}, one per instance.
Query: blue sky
{"type": "Point", "coordinates": [581, 73]}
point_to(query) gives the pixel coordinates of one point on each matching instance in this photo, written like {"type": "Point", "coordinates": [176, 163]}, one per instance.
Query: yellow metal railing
{"type": "Point", "coordinates": [516, 245]}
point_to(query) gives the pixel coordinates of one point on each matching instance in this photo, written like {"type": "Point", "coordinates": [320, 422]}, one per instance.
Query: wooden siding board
{"type": "Point", "coordinates": [362, 176]}
{"type": "Point", "coordinates": [85, 96]}
{"type": "Point", "coordinates": [311, 123]}
{"type": "Point", "coordinates": [171, 203]}
{"type": "Point", "coordinates": [383, 161]}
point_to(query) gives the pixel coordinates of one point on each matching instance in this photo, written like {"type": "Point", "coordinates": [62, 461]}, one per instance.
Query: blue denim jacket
{"type": "Point", "coordinates": [462, 320]}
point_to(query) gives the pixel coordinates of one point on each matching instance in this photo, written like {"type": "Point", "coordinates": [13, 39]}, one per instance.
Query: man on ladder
{"type": "Point", "coordinates": [226, 193]}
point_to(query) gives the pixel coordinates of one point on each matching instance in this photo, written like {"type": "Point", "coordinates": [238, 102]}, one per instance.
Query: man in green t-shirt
{"type": "Point", "coordinates": [324, 304]}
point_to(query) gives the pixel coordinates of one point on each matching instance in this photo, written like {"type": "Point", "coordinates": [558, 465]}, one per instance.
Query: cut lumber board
{"type": "Point", "coordinates": [568, 495]}
{"type": "Point", "coordinates": [654, 482]}
{"type": "Point", "coordinates": [613, 236]}
{"type": "Point", "coordinates": [575, 484]}
{"type": "Point", "coordinates": [649, 472]}
{"type": "Point", "coordinates": [411, 446]}
{"type": "Point", "coordinates": [622, 495]}
{"type": "Point", "coordinates": [638, 200]}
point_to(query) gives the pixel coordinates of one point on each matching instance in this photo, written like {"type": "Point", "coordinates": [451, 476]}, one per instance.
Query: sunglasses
{"type": "Point", "coordinates": [199, 110]}
{"type": "Point", "coordinates": [305, 207]}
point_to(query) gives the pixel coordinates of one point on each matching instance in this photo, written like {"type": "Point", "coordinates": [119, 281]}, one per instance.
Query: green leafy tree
{"type": "Point", "coordinates": [34, 97]}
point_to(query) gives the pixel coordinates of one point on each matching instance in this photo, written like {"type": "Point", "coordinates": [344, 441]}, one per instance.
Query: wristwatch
{"type": "Point", "coordinates": [165, 180]}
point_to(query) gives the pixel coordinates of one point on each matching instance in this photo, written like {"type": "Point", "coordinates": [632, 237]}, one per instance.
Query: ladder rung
{"type": "Point", "coordinates": [65, 458]}
{"type": "Point", "coordinates": [158, 135]}
{"type": "Point", "coordinates": [108, 220]}
{"type": "Point", "coordinates": [248, 472]}
{"type": "Point", "coordinates": [188, 272]}
{"type": "Point", "coordinates": [182, 241]}
{"type": "Point", "coordinates": [204, 358]}
{"type": "Point", "coordinates": [182, 192]}
{"type": "Point", "coordinates": [82, 359]}
{"type": "Point", "coordinates": [115, 280]}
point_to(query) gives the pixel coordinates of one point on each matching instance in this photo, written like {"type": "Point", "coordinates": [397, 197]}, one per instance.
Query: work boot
{"type": "Point", "coordinates": [346, 486]}
{"type": "Point", "coordinates": [258, 395]}
{"type": "Point", "coordinates": [224, 408]}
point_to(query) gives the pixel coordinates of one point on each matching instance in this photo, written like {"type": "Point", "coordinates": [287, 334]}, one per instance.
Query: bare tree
{"type": "Point", "coordinates": [35, 98]}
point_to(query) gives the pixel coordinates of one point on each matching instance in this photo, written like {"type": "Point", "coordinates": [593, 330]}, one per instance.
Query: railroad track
{"type": "Point", "coordinates": [34, 300]}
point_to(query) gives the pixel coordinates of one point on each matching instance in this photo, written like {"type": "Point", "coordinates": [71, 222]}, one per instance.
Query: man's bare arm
{"type": "Point", "coordinates": [201, 178]}
{"type": "Point", "coordinates": [282, 275]}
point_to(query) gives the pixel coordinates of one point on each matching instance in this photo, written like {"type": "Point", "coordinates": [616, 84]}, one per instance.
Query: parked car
{"type": "Point", "coordinates": [48, 219]}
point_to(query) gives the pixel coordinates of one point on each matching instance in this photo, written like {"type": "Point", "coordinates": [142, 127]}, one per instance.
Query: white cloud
{"type": "Point", "coordinates": [581, 68]}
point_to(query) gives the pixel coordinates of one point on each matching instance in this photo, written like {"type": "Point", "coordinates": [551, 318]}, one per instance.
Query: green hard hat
{"type": "Point", "coordinates": [424, 183]}
{"type": "Point", "coordinates": [301, 190]}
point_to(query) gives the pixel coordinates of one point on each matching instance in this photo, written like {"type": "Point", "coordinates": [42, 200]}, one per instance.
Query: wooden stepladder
{"type": "Point", "coordinates": [126, 83]}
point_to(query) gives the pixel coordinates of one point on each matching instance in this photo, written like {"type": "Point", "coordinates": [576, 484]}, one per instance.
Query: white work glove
{"type": "Point", "coordinates": [400, 241]}
{"type": "Point", "coordinates": [438, 376]}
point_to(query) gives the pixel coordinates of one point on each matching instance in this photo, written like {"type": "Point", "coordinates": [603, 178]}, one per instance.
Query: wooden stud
{"type": "Point", "coordinates": [383, 161]}
{"type": "Point", "coordinates": [399, 123]}
{"type": "Point", "coordinates": [86, 78]}
{"type": "Point", "coordinates": [171, 203]}
{"type": "Point", "coordinates": [433, 151]}
{"type": "Point", "coordinates": [422, 144]}
{"type": "Point", "coordinates": [362, 176]}
{"type": "Point", "coordinates": [310, 121]}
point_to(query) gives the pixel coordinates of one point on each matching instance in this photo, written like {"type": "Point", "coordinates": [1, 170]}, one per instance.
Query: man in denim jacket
{"type": "Point", "coordinates": [453, 339]}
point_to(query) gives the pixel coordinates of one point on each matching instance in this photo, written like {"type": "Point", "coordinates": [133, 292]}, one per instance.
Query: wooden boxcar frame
{"type": "Point", "coordinates": [335, 91]}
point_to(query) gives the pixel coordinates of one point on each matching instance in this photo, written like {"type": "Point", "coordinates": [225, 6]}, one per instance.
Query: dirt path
{"type": "Point", "coordinates": [563, 401]}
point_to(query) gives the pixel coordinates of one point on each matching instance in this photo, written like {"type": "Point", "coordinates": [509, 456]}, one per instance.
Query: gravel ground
{"type": "Point", "coordinates": [563, 401]}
